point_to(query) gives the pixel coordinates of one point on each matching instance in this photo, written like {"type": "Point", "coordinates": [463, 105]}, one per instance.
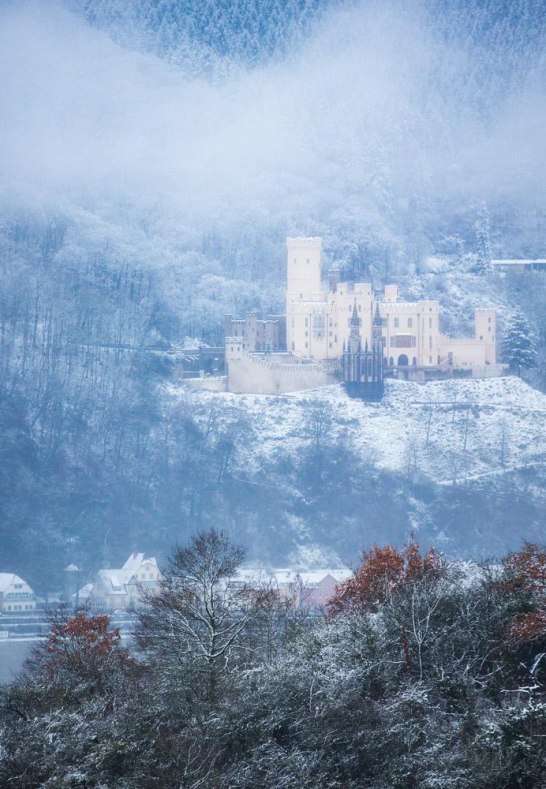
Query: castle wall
{"type": "Point", "coordinates": [272, 373]}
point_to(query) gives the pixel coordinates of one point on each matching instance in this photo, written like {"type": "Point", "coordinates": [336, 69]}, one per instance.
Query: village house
{"type": "Point", "coordinates": [15, 594]}
{"type": "Point", "coordinates": [124, 587]}
{"type": "Point", "coordinates": [301, 588]}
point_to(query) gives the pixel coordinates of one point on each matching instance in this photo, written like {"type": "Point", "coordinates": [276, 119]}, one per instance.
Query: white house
{"type": "Point", "coordinates": [123, 588]}
{"type": "Point", "coordinates": [15, 594]}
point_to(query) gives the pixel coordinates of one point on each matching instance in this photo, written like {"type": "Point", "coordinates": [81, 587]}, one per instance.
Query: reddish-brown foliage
{"type": "Point", "coordinates": [83, 642]}
{"type": "Point", "coordinates": [525, 572]}
{"type": "Point", "coordinates": [384, 571]}
{"type": "Point", "coordinates": [525, 569]}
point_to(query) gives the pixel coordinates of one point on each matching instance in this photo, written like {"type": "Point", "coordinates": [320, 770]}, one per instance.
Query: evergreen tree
{"type": "Point", "coordinates": [481, 228]}
{"type": "Point", "coordinates": [518, 347]}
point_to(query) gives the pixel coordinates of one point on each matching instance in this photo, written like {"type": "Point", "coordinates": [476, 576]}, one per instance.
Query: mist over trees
{"type": "Point", "coordinates": [153, 159]}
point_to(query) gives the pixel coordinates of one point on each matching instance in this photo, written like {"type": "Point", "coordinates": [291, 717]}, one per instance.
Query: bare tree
{"type": "Point", "coordinates": [195, 624]}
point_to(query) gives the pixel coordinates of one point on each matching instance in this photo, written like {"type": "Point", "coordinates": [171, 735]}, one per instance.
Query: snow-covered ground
{"type": "Point", "coordinates": [448, 430]}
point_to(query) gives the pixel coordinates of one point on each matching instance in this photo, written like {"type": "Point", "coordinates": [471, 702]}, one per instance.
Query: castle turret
{"type": "Point", "coordinates": [485, 326]}
{"type": "Point", "coordinates": [304, 268]}
{"type": "Point", "coordinates": [355, 341]}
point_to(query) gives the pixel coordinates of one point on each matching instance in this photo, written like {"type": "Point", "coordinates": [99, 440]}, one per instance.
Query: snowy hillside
{"type": "Point", "coordinates": [448, 430]}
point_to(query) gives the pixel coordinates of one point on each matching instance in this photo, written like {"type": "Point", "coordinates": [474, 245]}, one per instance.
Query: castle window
{"type": "Point", "coordinates": [481, 338]}
{"type": "Point", "coordinates": [318, 324]}
{"type": "Point", "coordinates": [307, 334]}
{"type": "Point", "coordinates": [430, 342]}
{"type": "Point", "coordinates": [410, 323]}
{"type": "Point", "coordinates": [360, 308]}
{"type": "Point", "coordinates": [306, 345]}
{"type": "Point", "coordinates": [396, 323]}
{"type": "Point", "coordinates": [330, 345]}
{"type": "Point", "coordinates": [384, 322]}
{"type": "Point", "coordinates": [293, 345]}
{"type": "Point", "coordinates": [307, 321]}
{"type": "Point", "coordinates": [430, 323]}
{"type": "Point", "coordinates": [430, 359]}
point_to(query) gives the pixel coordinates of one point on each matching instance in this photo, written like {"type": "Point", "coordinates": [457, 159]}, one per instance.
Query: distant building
{"type": "Point", "coordinates": [319, 331]}
{"type": "Point", "coordinates": [15, 594]}
{"type": "Point", "coordinates": [123, 588]}
{"type": "Point", "coordinates": [302, 588]}
{"type": "Point", "coordinates": [257, 334]}
{"type": "Point", "coordinates": [518, 264]}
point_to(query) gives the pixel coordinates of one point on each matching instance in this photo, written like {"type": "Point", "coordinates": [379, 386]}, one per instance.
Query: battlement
{"type": "Point", "coordinates": [304, 242]}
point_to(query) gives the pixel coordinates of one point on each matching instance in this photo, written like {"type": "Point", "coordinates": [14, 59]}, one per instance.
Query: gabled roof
{"type": "Point", "coordinates": [7, 579]}
{"type": "Point", "coordinates": [133, 562]}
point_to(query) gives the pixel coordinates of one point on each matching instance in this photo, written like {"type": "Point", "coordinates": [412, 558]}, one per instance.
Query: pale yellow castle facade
{"type": "Point", "coordinates": [317, 332]}
{"type": "Point", "coordinates": [317, 319]}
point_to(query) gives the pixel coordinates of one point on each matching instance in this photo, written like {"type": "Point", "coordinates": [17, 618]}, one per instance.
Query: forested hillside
{"type": "Point", "coordinates": [154, 157]}
{"type": "Point", "coordinates": [420, 673]}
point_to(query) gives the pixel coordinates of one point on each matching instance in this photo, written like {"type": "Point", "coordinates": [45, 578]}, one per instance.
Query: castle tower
{"type": "Point", "coordinates": [485, 327]}
{"type": "Point", "coordinates": [304, 269]}
{"type": "Point", "coordinates": [306, 317]}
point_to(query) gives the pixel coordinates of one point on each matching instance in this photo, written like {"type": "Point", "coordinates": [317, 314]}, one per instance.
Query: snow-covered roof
{"type": "Point", "coordinates": [518, 261]}
{"type": "Point", "coordinates": [291, 576]}
{"type": "Point", "coordinates": [116, 579]}
{"type": "Point", "coordinates": [7, 579]}
{"type": "Point", "coordinates": [133, 562]}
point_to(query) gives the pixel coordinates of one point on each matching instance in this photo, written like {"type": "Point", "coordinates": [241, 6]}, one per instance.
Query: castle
{"type": "Point", "coordinates": [347, 331]}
